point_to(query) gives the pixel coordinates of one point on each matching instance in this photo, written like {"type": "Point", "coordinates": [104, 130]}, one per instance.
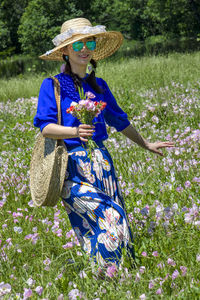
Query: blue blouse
{"type": "Point", "coordinates": [113, 115]}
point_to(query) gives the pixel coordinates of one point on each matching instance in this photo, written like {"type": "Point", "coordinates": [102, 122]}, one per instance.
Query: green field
{"type": "Point", "coordinates": [161, 95]}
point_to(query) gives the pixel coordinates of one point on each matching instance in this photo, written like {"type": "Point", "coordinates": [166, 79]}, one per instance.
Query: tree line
{"type": "Point", "coordinates": [28, 26]}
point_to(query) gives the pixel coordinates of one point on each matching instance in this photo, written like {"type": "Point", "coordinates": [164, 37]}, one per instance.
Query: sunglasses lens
{"type": "Point", "coordinates": [77, 46]}
{"type": "Point", "coordinates": [91, 45]}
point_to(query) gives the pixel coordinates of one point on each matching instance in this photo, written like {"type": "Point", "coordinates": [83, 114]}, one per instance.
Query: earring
{"type": "Point", "coordinates": [66, 57]}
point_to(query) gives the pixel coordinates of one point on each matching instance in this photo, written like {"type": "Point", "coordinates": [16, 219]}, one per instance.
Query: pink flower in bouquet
{"type": "Point", "coordinates": [88, 104]}
{"type": "Point", "coordinates": [90, 95]}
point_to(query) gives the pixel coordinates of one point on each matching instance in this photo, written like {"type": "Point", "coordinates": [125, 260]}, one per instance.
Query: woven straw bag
{"type": "Point", "coordinates": [48, 164]}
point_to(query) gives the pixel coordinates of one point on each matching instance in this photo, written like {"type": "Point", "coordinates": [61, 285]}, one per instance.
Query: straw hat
{"type": "Point", "coordinates": [76, 29]}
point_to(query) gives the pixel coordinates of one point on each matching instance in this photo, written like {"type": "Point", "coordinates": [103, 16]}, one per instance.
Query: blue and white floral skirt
{"type": "Point", "coordinates": [95, 206]}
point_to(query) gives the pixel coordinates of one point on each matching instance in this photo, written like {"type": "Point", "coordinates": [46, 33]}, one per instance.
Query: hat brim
{"type": "Point", "coordinates": [107, 43]}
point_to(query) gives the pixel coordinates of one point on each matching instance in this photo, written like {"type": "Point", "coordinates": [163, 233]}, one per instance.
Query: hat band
{"type": "Point", "coordinates": [60, 38]}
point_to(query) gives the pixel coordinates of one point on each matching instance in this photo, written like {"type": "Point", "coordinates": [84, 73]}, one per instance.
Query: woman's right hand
{"type": "Point", "coordinates": [85, 131]}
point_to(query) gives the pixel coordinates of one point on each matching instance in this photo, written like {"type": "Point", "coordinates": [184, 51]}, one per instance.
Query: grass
{"type": "Point", "coordinates": [161, 96]}
{"type": "Point", "coordinates": [136, 74]}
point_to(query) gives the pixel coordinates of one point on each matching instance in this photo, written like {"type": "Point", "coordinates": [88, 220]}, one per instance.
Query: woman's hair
{"type": "Point", "coordinates": [91, 79]}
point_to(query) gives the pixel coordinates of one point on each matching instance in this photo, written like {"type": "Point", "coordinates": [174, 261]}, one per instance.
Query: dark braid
{"type": "Point", "coordinates": [91, 79]}
{"type": "Point", "coordinates": [76, 79]}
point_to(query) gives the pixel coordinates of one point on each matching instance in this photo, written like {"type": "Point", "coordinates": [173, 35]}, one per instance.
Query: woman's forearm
{"type": "Point", "coordinates": [55, 131]}
{"type": "Point", "coordinates": [131, 133]}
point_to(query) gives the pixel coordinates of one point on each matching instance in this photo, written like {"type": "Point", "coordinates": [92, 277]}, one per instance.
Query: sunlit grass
{"type": "Point", "coordinates": [125, 75]}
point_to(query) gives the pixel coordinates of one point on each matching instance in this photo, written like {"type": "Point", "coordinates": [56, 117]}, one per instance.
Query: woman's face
{"type": "Point", "coordinates": [81, 57]}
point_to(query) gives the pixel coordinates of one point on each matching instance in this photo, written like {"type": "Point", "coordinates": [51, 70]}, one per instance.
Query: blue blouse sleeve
{"type": "Point", "coordinates": [47, 108]}
{"type": "Point", "coordinates": [113, 114]}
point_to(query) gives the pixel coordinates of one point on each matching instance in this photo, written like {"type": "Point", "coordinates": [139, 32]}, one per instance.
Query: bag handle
{"type": "Point", "coordinates": [57, 96]}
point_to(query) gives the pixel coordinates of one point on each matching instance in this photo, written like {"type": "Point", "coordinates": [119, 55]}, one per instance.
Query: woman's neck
{"type": "Point", "coordinates": [79, 70]}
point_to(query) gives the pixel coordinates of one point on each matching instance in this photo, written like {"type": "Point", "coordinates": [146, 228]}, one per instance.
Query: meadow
{"type": "Point", "coordinates": [161, 96]}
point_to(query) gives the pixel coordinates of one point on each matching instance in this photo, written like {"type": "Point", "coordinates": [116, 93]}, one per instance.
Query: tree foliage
{"type": "Point", "coordinates": [140, 19]}
{"type": "Point", "coordinates": [10, 14]}
{"type": "Point", "coordinates": [32, 24]}
{"type": "Point", "coordinates": [176, 17]}
{"type": "Point", "coordinates": [5, 40]}
{"type": "Point", "coordinates": [41, 21]}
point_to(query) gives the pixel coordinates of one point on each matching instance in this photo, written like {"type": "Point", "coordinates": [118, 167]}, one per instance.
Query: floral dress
{"type": "Point", "coordinates": [91, 193]}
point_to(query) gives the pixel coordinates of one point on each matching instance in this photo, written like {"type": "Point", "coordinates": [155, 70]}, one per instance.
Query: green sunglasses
{"type": "Point", "coordinates": [78, 46]}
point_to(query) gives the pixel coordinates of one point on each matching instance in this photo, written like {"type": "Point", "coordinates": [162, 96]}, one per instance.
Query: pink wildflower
{"type": "Point", "coordinates": [183, 270]}
{"type": "Point", "coordinates": [155, 119]}
{"type": "Point", "coordinates": [39, 290]}
{"type": "Point", "coordinates": [111, 271]}
{"type": "Point", "coordinates": [187, 184]}
{"type": "Point", "coordinates": [5, 288]}
{"type": "Point", "coordinates": [74, 294]}
{"type": "Point", "coordinates": [59, 276]}
{"type": "Point", "coordinates": [175, 274]}
{"type": "Point", "coordinates": [179, 189]}
{"type": "Point", "coordinates": [155, 253]}
{"type": "Point", "coordinates": [137, 277]}
{"type": "Point", "coordinates": [159, 291]}
{"type": "Point", "coordinates": [47, 262]}
{"type": "Point", "coordinates": [27, 293]}
{"type": "Point", "coordinates": [196, 179]}
{"type": "Point", "coordinates": [161, 265]}
{"type": "Point", "coordinates": [151, 284]}
{"type": "Point", "coordinates": [30, 282]}
{"type": "Point", "coordinates": [68, 245]}
{"type": "Point", "coordinates": [69, 234]}
{"type": "Point", "coordinates": [33, 237]}
{"type": "Point", "coordinates": [165, 278]}
{"type": "Point", "coordinates": [82, 274]}
{"type": "Point", "coordinates": [17, 229]}
{"type": "Point", "coordinates": [142, 269]}
{"type": "Point", "coordinates": [171, 262]}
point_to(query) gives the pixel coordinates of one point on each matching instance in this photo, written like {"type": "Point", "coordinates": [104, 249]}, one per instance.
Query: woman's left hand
{"type": "Point", "coordinates": [153, 147]}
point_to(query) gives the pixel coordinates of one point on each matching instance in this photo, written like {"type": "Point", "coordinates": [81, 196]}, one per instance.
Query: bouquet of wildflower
{"type": "Point", "coordinates": [85, 111]}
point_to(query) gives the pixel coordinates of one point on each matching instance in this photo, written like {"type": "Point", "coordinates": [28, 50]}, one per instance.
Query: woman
{"type": "Point", "coordinates": [91, 193]}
